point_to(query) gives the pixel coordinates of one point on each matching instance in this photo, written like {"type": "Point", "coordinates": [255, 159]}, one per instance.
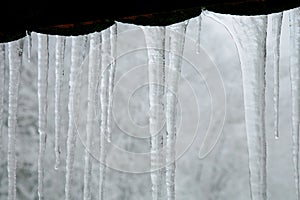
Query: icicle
{"type": "Point", "coordinates": [15, 62]}
{"type": "Point", "coordinates": [250, 34]}
{"type": "Point", "coordinates": [199, 34]}
{"type": "Point", "coordinates": [155, 40]}
{"type": "Point", "coordinates": [105, 62]}
{"type": "Point", "coordinates": [74, 83]}
{"type": "Point", "coordinates": [94, 62]}
{"type": "Point", "coordinates": [295, 89]}
{"type": "Point", "coordinates": [177, 35]}
{"type": "Point", "coordinates": [59, 63]}
{"type": "Point", "coordinates": [112, 70]}
{"type": "Point", "coordinates": [253, 68]}
{"type": "Point", "coordinates": [276, 32]}
{"type": "Point", "coordinates": [28, 46]}
{"type": "Point", "coordinates": [2, 86]}
{"type": "Point", "coordinates": [42, 104]}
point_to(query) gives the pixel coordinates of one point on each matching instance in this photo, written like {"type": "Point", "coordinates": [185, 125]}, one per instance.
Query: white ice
{"type": "Point", "coordinates": [155, 40]}
{"type": "Point", "coordinates": [2, 86]}
{"type": "Point", "coordinates": [276, 23]}
{"type": "Point", "coordinates": [15, 62]}
{"type": "Point", "coordinates": [59, 64]}
{"type": "Point", "coordinates": [104, 101]}
{"type": "Point", "coordinates": [250, 35]}
{"type": "Point", "coordinates": [43, 66]}
{"type": "Point", "coordinates": [177, 40]}
{"type": "Point", "coordinates": [295, 89]}
{"type": "Point", "coordinates": [94, 63]}
{"type": "Point", "coordinates": [74, 83]}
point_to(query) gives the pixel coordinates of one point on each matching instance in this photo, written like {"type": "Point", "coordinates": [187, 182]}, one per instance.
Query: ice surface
{"type": "Point", "coordinates": [294, 51]}
{"type": "Point", "coordinates": [94, 63]}
{"type": "Point", "coordinates": [276, 23]}
{"type": "Point", "coordinates": [112, 71]}
{"type": "Point", "coordinates": [2, 86]}
{"type": "Point", "coordinates": [198, 44]}
{"type": "Point", "coordinates": [74, 83]}
{"type": "Point", "coordinates": [59, 65]}
{"type": "Point", "coordinates": [15, 62]}
{"type": "Point", "coordinates": [104, 101]}
{"type": "Point", "coordinates": [155, 41]}
{"type": "Point", "coordinates": [177, 39]}
{"type": "Point", "coordinates": [250, 35]}
{"type": "Point", "coordinates": [43, 66]}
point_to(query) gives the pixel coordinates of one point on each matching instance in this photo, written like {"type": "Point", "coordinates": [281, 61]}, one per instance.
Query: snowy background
{"type": "Point", "coordinates": [211, 84]}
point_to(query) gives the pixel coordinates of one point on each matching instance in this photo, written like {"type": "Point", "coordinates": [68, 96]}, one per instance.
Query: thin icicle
{"type": "Point", "coordinates": [155, 40]}
{"type": "Point", "coordinates": [112, 70]}
{"type": "Point", "coordinates": [28, 46]}
{"type": "Point", "coordinates": [199, 34]}
{"type": "Point", "coordinates": [2, 86]}
{"type": "Point", "coordinates": [276, 32]}
{"type": "Point", "coordinates": [74, 83]}
{"type": "Point", "coordinates": [177, 35]}
{"type": "Point", "coordinates": [42, 104]}
{"type": "Point", "coordinates": [59, 63]}
{"type": "Point", "coordinates": [295, 89]}
{"type": "Point", "coordinates": [94, 62]}
{"type": "Point", "coordinates": [15, 62]}
{"type": "Point", "coordinates": [105, 62]}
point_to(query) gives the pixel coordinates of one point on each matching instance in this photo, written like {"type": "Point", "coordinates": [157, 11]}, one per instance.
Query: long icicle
{"type": "Point", "coordinates": [2, 83]}
{"type": "Point", "coordinates": [276, 32]}
{"type": "Point", "coordinates": [295, 90]}
{"type": "Point", "coordinates": [253, 63]}
{"type": "Point", "coordinates": [42, 104]}
{"type": "Point", "coordinates": [28, 46]}
{"type": "Point", "coordinates": [59, 63]}
{"type": "Point", "coordinates": [105, 62]}
{"type": "Point", "coordinates": [74, 83]}
{"type": "Point", "coordinates": [15, 62]}
{"type": "Point", "coordinates": [250, 35]}
{"type": "Point", "coordinates": [94, 62]}
{"type": "Point", "coordinates": [155, 40]}
{"type": "Point", "coordinates": [112, 70]}
{"type": "Point", "coordinates": [177, 40]}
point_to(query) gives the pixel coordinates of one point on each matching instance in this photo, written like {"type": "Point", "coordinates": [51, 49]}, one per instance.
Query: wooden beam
{"type": "Point", "coordinates": [86, 18]}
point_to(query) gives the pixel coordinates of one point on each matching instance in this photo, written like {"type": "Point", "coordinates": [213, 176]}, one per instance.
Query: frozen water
{"type": "Point", "coordinates": [43, 65]}
{"type": "Point", "coordinates": [155, 40]}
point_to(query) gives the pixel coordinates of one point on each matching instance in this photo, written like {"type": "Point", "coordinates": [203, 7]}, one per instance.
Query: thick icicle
{"type": "Point", "coordinates": [250, 35]}
{"type": "Point", "coordinates": [42, 104]}
{"type": "Point", "coordinates": [94, 62]}
{"type": "Point", "coordinates": [74, 83]}
{"type": "Point", "coordinates": [199, 34]}
{"type": "Point", "coordinates": [112, 70]}
{"type": "Point", "coordinates": [2, 86]}
{"type": "Point", "coordinates": [295, 89]}
{"type": "Point", "coordinates": [276, 20]}
{"type": "Point", "coordinates": [155, 40]}
{"type": "Point", "coordinates": [105, 62]}
{"type": "Point", "coordinates": [59, 63]}
{"type": "Point", "coordinates": [177, 35]}
{"type": "Point", "coordinates": [15, 62]}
